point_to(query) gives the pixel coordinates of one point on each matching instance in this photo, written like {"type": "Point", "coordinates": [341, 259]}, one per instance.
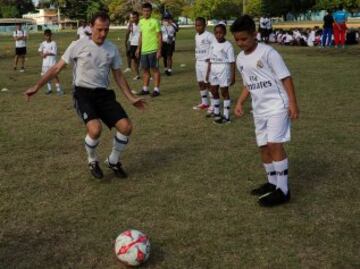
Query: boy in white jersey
{"type": "Point", "coordinates": [92, 61]}
{"type": "Point", "coordinates": [268, 81]}
{"type": "Point", "coordinates": [203, 41]}
{"type": "Point", "coordinates": [48, 51]}
{"type": "Point", "coordinates": [221, 73]}
{"type": "Point", "coordinates": [132, 40]}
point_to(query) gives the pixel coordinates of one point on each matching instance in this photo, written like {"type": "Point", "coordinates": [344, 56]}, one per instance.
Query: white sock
{"type": "Point", "coordinates": [170, 70]}
{"type": "Point", "coordinates": [145, 89]}
{"type": "Point", "coordinates": [271, 174]}
{"type": "Point", "coordinates": [58, 88]}
{"type": "Point", "coordinates": [281, 169]}
{"type": "Point", "coordinates": [204, 97]}
{"type": "Point", "coordinates": [49, 86]}
{"type": "Point", "coordinates": [211, 101]}
{"type": "Point", "coordinates": [90, 147]}
{"type": "Point", "coordinates": [216, 106]}
{"type": "Point", "coordinates": [119, 143]}
{"type": "Point", "coordinates": [227, 105]}
{"type": "Point", "coordinates": [156, 89]}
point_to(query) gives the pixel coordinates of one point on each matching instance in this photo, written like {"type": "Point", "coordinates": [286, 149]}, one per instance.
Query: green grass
{"type": "Point", "coordinates": [189, 179]}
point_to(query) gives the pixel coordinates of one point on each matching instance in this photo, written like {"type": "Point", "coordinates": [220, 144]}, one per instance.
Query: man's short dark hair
{"type": "Point", "coordinates": [135, 13]}
{"type": "Point", "coordinates": [47, 32]}
{"type": "Point", "coordinates": [102, 15]}
{"type": "Point", "coordinates": [201, 19]}
{"type": "Point", "coordinates": [243, 24]}
{"type": "Point", "coordinates": [147, 5]}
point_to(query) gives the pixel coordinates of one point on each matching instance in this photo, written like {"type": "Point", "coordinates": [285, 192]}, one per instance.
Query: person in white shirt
{"type": "Point", "coordinates": [93, 60]}
{"type": "Point", "coordinates": [311, 38]}
{"type": "Point", "coordinates": [221, 73]}
{"type": "Point", "coordinates": [203, 41]}
{"type": "Point", "coordinates": [268, 81]}
{"type": "Point", "coordinates": [84, 30]}
{"type": "Point", "coordinates": [48, 51]}
{"type": "Point", "coordinates": [132, 42]}
{"type": "Point", "coordinates": [265, 28]}
{"type": "Point", "coordinates": [20, 37]}
{"type": "Point", "coordinates": [168, 32]}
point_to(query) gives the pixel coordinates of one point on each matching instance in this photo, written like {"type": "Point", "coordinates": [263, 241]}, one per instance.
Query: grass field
{"type": "Point", "coordinates": [189, 180]}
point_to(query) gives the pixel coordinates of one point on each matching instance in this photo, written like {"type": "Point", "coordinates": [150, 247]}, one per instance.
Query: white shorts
{"type": "Point", "coordinates": [220, 75]}
{"type": "Point", "coordinates": [201, 68]}
{"type": "Point", "coordinates": [45, 68]}
{"type": "Point", "coordinates": [272, 129]}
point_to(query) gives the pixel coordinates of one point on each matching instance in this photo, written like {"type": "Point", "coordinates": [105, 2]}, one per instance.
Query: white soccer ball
{"type": "Point", "coordinates": [132, 247]}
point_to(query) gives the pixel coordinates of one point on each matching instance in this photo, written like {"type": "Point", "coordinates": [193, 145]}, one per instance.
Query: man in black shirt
{"type": "Point", "coordinates": [327, 31]}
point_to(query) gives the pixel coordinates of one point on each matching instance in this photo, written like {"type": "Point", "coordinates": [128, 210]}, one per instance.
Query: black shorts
{"type": "Point", "coordinates": [167, 49]}
{"type": "Point", "coordinates": [132, 52]}
{"type": "Point", "coordinates": [20, 51]}
{"type": "Point", "coordinates": [149, 61]}
{"type": "Point", "coordinates": [98, 103]}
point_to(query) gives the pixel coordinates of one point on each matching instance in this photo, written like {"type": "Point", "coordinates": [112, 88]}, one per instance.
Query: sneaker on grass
{"type": "Point", "coordinates": [274, 198]}
{"type": "Point", "coordinates": [96, 170]}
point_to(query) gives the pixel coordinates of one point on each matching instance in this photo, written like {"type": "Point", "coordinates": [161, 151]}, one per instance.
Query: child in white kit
{"type": "Point", "coordinates": [48, 51]}
{"type": "Point", "coordinates": [221, 73]}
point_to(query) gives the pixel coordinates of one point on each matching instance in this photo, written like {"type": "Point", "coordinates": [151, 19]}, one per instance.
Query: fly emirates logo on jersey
{"type": "Point", "coordinates": [258, 85]}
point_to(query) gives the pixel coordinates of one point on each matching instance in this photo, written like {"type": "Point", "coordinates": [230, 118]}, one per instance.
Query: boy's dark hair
{"type": "Point", "coordinates": [243, 24]}
{"type": "Point", "coordinates": [201, 19]}
{"type": "Point", "coordinates": [102, 15]}
{"type": "Point", "coordinates": [135, 13]}
{"type": "Point", "coordinates": [222, 26]}
{"type": "Point", "coordinates": [147, 5]}
{"type": "Point", "coordinates": [47, 32]}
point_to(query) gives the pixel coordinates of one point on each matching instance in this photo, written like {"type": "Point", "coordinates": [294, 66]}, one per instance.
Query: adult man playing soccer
{"type": "Point", "coordinates": [149, 49]}
{"type": "Point", "coordinates": [93, 59]}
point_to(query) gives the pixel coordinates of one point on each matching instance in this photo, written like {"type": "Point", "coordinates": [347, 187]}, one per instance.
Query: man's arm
{"type": "Point", "coordinates": [49, 75]}
{"type": "Point", "coordinates": [290, 90]}
{"type": "Point", "coordinates": [239, 110]}
{"type": "Point", "coordinates": [159, 38]}
{"type": "Point", "coordinates": [124, 86]}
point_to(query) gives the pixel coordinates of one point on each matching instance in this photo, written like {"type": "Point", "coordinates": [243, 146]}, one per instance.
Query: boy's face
{"type": "Point", "coordinates": [245, 40]}
{"type": "Point", "coordinates": [219, 33]}
{"type": "Point", "coordinates": [146, 12]}
{"type": "Point", "coordinates": [135, 18]}
{"type": "Point", "coordinates": [47, 37]}
{"type": "Point", "coordinates": [199, 27]}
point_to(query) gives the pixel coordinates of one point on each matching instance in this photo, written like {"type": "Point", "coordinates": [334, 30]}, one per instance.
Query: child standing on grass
{"type": "Point", "coordinates": [48, 51]}
{"type": "Point", "coordinates": [203, 41]}
{"type": "Point", "coordinates": [221, 73]}
{"type": "Point", "coordinates": [268, 81]}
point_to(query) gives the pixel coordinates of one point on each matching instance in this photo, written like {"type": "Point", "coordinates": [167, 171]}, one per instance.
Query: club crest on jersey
{"type": "Point", "coordinates": [259, 64]}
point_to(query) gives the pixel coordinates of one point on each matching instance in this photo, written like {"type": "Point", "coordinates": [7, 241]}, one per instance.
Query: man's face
{"type": "Point", "coordinates": [146, 12]}
{"type": "Point", "coordinates": [245, 40]}
{"type": "Point", "coordinates": [100, 29]}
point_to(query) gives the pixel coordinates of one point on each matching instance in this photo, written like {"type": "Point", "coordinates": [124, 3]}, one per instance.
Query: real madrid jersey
{"type": "Point", "coordinates": [221, 53]}
{"type": "Point", "coordinates": [202, 45]}
{"type": "Point", "coordinates": [262, 72]}
{"type": "Point", "coordinates": [92, 63]}
{"type": "Point", "coordinates": [48, 47]}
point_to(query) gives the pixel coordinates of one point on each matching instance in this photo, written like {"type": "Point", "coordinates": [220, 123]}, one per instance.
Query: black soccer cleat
{"type": "Point", "coordinates": [155, 94]}
{"type": "Point", "coordinates": [96, 170]}
{"type": "Point", "coordinates": [263, 189]}
{"type": "Point", "coordinates": [117, 169]}
{"type": "Point", "coordinates": [274, 198]}
{"type": "Point", "coordinates": [143, 92]}
{"type": "Point", "coordinates": [222, 120]}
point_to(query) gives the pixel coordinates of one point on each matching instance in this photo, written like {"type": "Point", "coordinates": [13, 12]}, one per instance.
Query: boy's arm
{"type": "Point", "coordinates": [124, 86]}
{"type": "Point", "coordinates": [159, 38]}
{"type": "Point", "coordinates": [208, 71]}
{"type": "Point", "coordinates": [138, 50]}
{"type": "Point", "coordinates": [239, 110]}
{"type": "Point", "coordinates": [127, 37]}
{"type": "Point", "coordinates": [290, 90]}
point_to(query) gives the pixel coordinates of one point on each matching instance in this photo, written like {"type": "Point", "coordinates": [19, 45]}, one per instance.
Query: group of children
{"type": "Point", "coordinates": [266, 79]}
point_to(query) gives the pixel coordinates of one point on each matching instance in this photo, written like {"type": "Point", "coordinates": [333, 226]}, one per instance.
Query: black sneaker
{"type": "Point", "coordinates": [96, 170]}
{"type": "Point", "coordinates": [222, 121]}
{"type": "Point", "coordinates": [155, 94]}
{"type": "Point", "coordinates": [274, 198]}
{"type": "Point", "coordinates": [143, 92]}
{"type": "Point", "coordinates": [118, 171]}
{"type": "Point", "coordinates": [263, 189]}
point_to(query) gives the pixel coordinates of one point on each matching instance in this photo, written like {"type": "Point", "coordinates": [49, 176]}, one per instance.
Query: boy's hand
{"type": "Point", "coordinates": [239, 110]}
{"type": "Point", "coordinates": [158, 54]}
{"type": "Point", "coordinates": [293, 111]}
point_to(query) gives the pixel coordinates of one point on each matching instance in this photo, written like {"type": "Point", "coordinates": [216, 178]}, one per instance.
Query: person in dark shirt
{"type": "Point", "coordinates": [327, 33]}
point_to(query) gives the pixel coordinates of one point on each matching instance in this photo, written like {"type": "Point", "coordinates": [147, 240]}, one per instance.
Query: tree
{"type": "Point", "coordinates": [81, 9]}
{"type": "Point", "coordinates": [219, 9]}
{"type": "Point", "coordinates": [15, 8]}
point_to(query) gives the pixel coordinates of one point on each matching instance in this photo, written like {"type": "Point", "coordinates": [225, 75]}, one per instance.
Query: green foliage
{"type": "Point", "coordinates": [332, 4]}
{"type": "Point", "coordinates": [15, 8]}
{"type": "Point", "coordinates": [220, 9]}
{"type": "Point", "coordinates": [81, 9]}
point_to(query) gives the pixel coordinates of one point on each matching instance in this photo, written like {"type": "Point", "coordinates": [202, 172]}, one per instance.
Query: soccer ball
{"type": "Point", "coordinates": [132, 247]}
